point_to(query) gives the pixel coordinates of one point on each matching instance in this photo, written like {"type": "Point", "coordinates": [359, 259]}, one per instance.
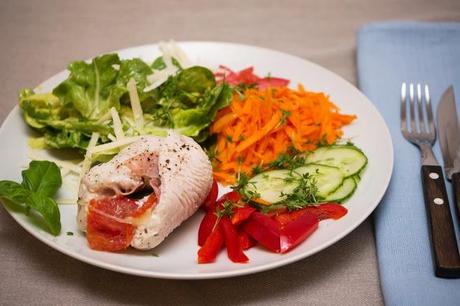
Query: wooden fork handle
{"type": "Point", "coordinates": [444, 245]}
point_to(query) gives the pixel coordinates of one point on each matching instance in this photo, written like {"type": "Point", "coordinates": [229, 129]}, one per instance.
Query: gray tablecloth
{"type": "Point", "coordinates": [39, 38]}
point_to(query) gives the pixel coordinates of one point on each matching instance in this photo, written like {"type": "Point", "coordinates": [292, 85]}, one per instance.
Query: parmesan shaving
{"type": "Point", "coordinates": [135, 105]}
{"type": "Point", "coordinates": [113, 145]}
{"type": "Point", "coordinates": [87, 161]}
{"type": "Point", "coordinates": [171, 50]}
{"type": "Point", "coordinates": [159, 77]}
{"type": "Point", "coordinates": [117, 127]}
{"type": "Point", "coordinates": [105, 117]}
{"type": "Point", "coordinates": [66, 201]}
{"type": "Point", "coordinates": [111, 137]}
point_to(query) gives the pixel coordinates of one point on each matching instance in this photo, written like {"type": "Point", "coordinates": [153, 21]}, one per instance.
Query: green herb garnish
{"type": "Point", "coordinates": [287, 161]}
{"type": "Point", "coordinates": [242, 188]}
{"type": "Point", "coordinates": [226, 210]}
{"type": "Point", "coordinates": [304, 194]}
{"type": "Point", "coordinates": [40, 183]}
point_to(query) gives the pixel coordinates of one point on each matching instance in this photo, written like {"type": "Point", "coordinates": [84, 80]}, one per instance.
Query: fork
{"type": "Point", "coordinates": [421, 132]}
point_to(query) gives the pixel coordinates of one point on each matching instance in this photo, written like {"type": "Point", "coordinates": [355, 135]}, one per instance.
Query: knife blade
{"type": "Point", "coordinates": [449, 132]}
{"type": "Point", "coordinates": [449, 139]}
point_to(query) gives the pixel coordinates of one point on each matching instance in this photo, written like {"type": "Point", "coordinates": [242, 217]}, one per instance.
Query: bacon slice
{"type": "Point", "coordinates": [110, 221]}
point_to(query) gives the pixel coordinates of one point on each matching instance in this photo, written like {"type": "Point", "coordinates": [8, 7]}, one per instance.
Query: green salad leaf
{"type": "Point", "coordinates": [91, 87]}
{"type": "Point", "coordinates": [61, 125]}
{"type": "Point", "coordinates": [40, 183]}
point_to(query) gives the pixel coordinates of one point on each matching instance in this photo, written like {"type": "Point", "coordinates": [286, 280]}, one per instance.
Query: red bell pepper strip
{"type": "Point", "coordinates": [208, 252]}
{"type": "Point", "coordinates": [246, 241]}
{"type": "Point", "coordinates": [231, 196]}
{"type": "Point", "coordinates": [242, 214]}
{"type": "Point", "coordinates": [210, 201]}
{"type": "Point", "coordinates": [206, 227]}
{"type": "Point", "coordinates": [234, 249]}
{"type": "Point", "coordinates": [322, 211]}
{"type": "Point", "coordinates": [247, 76]}
{"type": "Point", "coordinates": [295, 232]}
{"type": "Point", "coordinates": [264, 230]}
{"type": "Point", "coordinates": [281, 237]}
{"type": "Point", "coordinates": [271, 82]}
{"type": "Point", "coordinates": [328, 211]}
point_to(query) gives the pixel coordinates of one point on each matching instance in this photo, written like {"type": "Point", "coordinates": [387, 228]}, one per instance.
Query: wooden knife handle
{"type": "Point", "coordinates": [444, 245]}
{"type": "Point", "coordinates": [456, 186]}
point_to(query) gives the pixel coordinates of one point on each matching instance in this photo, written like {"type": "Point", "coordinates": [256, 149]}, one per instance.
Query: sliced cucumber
{"type": "Point", "coordinates": [343, 192]}
{"type": "Point", "coordinates": [271, 185]}
{"type": "Point", "coordinates": [348, 158]}
{"type": "Point", "coordinates": [328, 178]}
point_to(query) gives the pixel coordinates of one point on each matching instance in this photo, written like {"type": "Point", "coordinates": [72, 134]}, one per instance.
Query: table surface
{"type": "Point", "coordinates": [39, 38]}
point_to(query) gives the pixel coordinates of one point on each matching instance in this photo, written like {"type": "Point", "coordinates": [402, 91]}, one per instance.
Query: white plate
{"type": "Point", "coordinates": [177, 254]}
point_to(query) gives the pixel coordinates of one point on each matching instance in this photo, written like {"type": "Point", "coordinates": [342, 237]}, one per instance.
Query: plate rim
{"type": "Point", "coordinates": [237, 272]}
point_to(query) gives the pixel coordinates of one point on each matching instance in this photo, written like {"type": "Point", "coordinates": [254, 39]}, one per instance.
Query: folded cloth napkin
{"type": "Point", "coordinates": [388, 54]}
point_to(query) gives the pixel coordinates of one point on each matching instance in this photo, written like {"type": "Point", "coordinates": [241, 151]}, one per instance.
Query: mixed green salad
{"type": "Point", "coordinates": [187, 101]}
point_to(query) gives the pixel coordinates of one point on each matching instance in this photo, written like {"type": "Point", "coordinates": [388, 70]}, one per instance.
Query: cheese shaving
{"type": "Point", "coordinates": [111, 137]}
{"type": "Point", "coordinates": [87, 161]}
{"type": "Point", "coordinates": [172, 50]}
{"type": "Point", "coordinates": [66, 201]}
{"type": "Point", "coordinates": [169, 51]}
{"type": "Point", "coordinates": [136, 105]}
{"type": "Point", "coordinates": [117, 127]}
{"type": "Point", "coordinates": [113, 145]}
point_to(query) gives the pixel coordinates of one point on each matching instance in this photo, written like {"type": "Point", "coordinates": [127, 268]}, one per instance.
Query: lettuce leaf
{"type": "Point", "coordinates": [91, 87]}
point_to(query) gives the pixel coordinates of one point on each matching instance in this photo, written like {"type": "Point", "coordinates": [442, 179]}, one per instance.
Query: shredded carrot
{"type": "Point", "coordinates": [261, 124]}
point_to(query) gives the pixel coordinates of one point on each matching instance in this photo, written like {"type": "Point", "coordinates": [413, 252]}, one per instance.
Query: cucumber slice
{"type": "Point", "coordinates": [328, 178]}
{"type": "Point", "coordinates": [349, 159]}
{"type": "Point", "coordinates": [271, 184]}
{"type": "Point", "coordinates": [343, 192]}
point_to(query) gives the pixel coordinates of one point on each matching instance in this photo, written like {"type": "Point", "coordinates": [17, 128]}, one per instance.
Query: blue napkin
{"type": "Point", "coordinates": [388, 54]}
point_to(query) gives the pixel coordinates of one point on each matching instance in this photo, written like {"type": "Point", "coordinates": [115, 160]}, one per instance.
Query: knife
{"type": "Point", "coordinates": [449, 139]}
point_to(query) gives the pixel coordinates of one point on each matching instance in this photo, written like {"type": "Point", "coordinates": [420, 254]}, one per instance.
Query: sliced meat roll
{"type": "Point", "coordinates": [146, 191]}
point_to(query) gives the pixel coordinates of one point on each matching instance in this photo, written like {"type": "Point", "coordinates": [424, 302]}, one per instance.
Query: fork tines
{"type": "Point", "coordinates": [421, 122]}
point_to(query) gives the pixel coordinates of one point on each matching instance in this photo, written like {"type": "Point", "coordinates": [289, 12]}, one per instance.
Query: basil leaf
{"type": "Point", "coordinates": [48, 209]}
{"type": "Point", "coordinates": [13, 192]}
{"type": "Point", "coordinates": [42, 177]}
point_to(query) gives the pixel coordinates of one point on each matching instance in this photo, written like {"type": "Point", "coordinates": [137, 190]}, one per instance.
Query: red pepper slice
{"type": "Point", "coordinates": [210, 201]}
{"type": "Point", "coordinates": [242, 214]}
{"type": "Point", "coordinates": [271, 82]}
{"type": "Point", "coordinates": [208, 252]}
{"type": "Point", "coordinates": [329, 211]}
{"type": "Point", "coordinates": [246, 241]}
{"type": "Point", "coordinates": [247, 76]}
{"type": "Point", "coordinates": [295, 232]}
{"type": "Point", "coordinates": [234, 249]}
{"type": "Point", "coordinates": [264, 230]}
{"type": "Point", "coordinates": [231, 196]}
{"type": "Point", "coordinates": [206, 226]}
{"type": "Point", "coordinates": [322, 211]}
{"type": "Point", "coordinates": [281, 237]}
